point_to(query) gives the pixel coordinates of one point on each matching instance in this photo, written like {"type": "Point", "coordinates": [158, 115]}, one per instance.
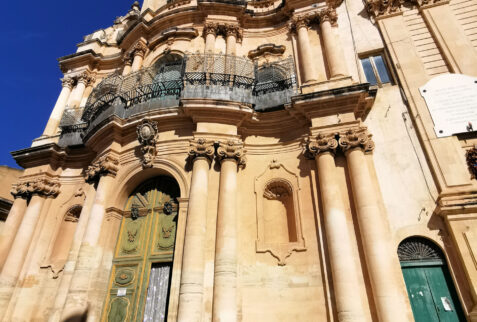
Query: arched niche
{"type": "Point", "coordinates": [279, 230]}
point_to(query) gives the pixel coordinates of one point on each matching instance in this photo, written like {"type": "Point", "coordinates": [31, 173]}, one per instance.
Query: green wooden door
{"type": "Point", "coordinates": [146, 241]}
{"type": "Point", "coordinates": [429, 285]}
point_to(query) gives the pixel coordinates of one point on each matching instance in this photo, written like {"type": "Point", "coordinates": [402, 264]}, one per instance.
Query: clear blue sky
{"type": "Point", "coordinates": [33, 34]}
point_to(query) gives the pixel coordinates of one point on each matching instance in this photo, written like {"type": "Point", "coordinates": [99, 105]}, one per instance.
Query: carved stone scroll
{"type": "Point", "coordinates": [106, 165]}
{"type": "Point", "coordinates": [356, 138]}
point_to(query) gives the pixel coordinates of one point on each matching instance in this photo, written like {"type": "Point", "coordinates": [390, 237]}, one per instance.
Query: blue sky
{"type": "Point", "coordinates": [33, 34]}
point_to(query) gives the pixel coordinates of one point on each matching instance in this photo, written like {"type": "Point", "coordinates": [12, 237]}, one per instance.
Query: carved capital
{"type": "Point", "coordinates": [43, 186]}
{"type": "Point", "coordinates": [233, 30]}
{"type": "Point", "coordinates": [147, 136]}
{"type": "Point", "coordinates": [329, 14]}
{"type": "Point", "coordinates": [127, 60]}
{"type": "Point", "coordinates": [379, 8]}
{"type": "Point", "coordinates": [201, 148]}
{"type": "Point", "coordinates": [232, 150]}
{"type": "Point", "coordinates": [211, 28]}
{"type": "Point", "coordinates": [86, 78]}
{"type": "Point", "coordinates": [321, 143]}
{"type": "Point", "coordinates": [298, 22]}
{"type": "Point", "coordinates": [20, 190]}
{"type": "Point", "coordinates": [68, 82]}
{"type": "Point", "coordinates": [139, 49]}
{"type": "Point", "coordinates": [356, 139]}
{"type": "Point", "coordinates": [106, 165]}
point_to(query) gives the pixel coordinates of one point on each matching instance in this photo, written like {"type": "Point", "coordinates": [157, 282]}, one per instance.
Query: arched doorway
{"type": "Point", "coordinates": [429, 285]}
{"type": "Point", "coordinates": [142, 265]}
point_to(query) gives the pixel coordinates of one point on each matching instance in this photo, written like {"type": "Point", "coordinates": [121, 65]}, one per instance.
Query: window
{"type": "Point", "coordinates": [375, 70]}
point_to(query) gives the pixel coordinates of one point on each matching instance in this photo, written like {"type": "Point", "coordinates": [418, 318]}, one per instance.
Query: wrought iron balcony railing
{"type": "Point", "coordinates": [174, 77]}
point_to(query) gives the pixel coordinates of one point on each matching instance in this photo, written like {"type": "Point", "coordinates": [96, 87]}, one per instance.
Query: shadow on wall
{"type": "Point", "coordinates": [77, 317]}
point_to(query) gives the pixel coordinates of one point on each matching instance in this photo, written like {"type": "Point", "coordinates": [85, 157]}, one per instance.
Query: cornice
{"type": "Point", "coordinates": [91, 59]}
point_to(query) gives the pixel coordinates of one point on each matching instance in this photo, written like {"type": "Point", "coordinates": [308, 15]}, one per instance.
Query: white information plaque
{"type": "Point", "coordinates": [122, 291]}
{"type": "Point", "coordinates": [452, 102]}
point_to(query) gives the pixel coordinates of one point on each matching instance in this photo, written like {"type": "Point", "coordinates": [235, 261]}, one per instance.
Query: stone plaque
{"type": "Point", "coordinates": [452, 102]}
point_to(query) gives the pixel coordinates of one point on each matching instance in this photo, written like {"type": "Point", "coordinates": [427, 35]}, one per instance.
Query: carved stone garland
{"type": "Point", "coordinates": [106, 165]}
{"type": "Point", "coordinates": [147, 134]}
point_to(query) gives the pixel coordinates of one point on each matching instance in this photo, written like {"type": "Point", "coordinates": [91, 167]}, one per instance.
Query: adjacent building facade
{"type": "Point", "coordinates": [269, 160]}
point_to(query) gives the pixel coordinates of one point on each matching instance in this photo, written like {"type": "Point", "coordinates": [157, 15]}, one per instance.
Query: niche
{"type": "Point", "coordinates": [279, 229]}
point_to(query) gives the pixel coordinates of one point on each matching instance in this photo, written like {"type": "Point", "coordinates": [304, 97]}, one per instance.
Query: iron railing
{"type": "Point", "coordinates": [200, 74]}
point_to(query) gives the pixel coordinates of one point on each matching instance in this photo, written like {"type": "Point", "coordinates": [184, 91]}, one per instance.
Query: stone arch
{"type": "Point", "coordinates": [158, 53]}
{"type": "Point", "coordinates": [131, 177]}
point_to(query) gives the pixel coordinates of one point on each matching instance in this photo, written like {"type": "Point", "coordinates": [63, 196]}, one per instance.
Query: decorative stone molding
{"type": "Point", "coordinates": [86, 77]}
{"type": "Point", "coordinates": [201, 148]}
{"type": "Point", "coordinates": [68, 82]}
{"type": "Point", "coordinates": [211, 28]}
{"type": "Point", "coordinates": [106, 165]}
{"type": "Point", "coordinates": [329, 14]}
{"type": "Point", "coordinates": [232, 30]}
{"type": "Point", "coordinates": [356, 138]}
{"type": "Point", "coordinates": [139, 49]}
{"type": "Point", "coordinates": [232, 150]}
{"type": "Point", "coordinates": [320, 144]}
{"type": "Point", "coordinates": [44, 186]}
{"type": "Point", "coordinates": [279, 229]}
{"type": "Point", "coordinates": [147, 136]}
{"type": "Point", "coordinates": [378, 8]}
{"type": "Point", "coordinates": [471, 158]}
{"type": "Point", "coordinates": [266, 49]}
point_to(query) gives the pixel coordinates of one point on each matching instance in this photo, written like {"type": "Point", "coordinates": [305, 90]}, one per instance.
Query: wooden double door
{"type": "Point", "coordinates": [429, 285]}
{"type": "Point", "coordinates": [142, 265]}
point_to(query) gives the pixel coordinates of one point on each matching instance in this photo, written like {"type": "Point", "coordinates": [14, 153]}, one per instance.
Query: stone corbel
{"type": "Point", "coordinates": [232, 149]}
{"type": "Point", "coordinates": [358, 138]}
{"type": "Point", "coordinates": [105, 165]}
{"type": "Point", "coordinates": [147, 135]}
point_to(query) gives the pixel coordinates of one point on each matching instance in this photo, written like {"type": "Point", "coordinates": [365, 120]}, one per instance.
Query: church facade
{"type": "Point", "coordinates": [268, 160]}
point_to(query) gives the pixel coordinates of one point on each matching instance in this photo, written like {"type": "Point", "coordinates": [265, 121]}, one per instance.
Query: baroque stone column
{"type": "Point", "coordinates": [343, 268]}
{"type": "Point", "coordinates": [83, 80]}
{"type": "Point", "coordinates": [210, 32]}
{"type": "Point", "coordinates": [230, 155]}
{"type": "Point", "coordinates": [139, 51]}
{"type": "Point", "coordinates": [308, 71]}
{"type": "Point", "coordinates": [15, 216]}
{"type": "Point", "coordinates": [232, 34]}
{"type": "Point", "coordinates": [334, 52]}
{"type": "Point", "coordinates": [55, 117]}
{"type": "Point", "coordinates": [127, 64]}
{"type": "Point", "coordinates": [382, 264]}
{"type": "Point", "coordinates": [192, 274]}
{"type": "Point", "coordinates": [103, 172]}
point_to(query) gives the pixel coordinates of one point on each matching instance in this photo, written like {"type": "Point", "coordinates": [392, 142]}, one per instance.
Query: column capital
{"type": "Point", "coordinates": [105, 165]}
{"type": "Point", "coordinates": [358, 138]}
{"type": "Point", "coordinates": [86, 77]}
{"type": "Point", "coordinates": [201, 148]}
{"type": "Point", "coordinates": [139, 49]}
{"type": "Point", "coordinates": [378, 8]}
{"type": "Point", "coordinates": [322, 143]}
{"type": "Point", "coordinates": [68, 82]}
{"type": "Point", "coordinates": [128, 59]}
{"type": "Point", "coordinates": [232, 149]}
{"type": "Point", "coordinates": [233, 30]}
{"type": "Point", "coordinates": [211, 28]}
{"type": "Point", "coordinates": [302, 21]}
{"type": "Point", "coordinates": [330, 15]}
{"type": "Point", "coordinates": [43, 186]}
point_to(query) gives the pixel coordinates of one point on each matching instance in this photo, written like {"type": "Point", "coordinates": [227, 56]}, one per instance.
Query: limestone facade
{"type": "Point", "coordinates": [285, 180]}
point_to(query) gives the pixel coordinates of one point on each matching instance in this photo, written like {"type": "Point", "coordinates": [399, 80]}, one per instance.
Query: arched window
{"type": "Point", "coordinates": [168, 68]}
{"type": "Point", "coordinates": [142, 265]}
{"type": "Point", "coordinates": [429, 285]}
{"type": "Point", "coordinates": [271, 78]}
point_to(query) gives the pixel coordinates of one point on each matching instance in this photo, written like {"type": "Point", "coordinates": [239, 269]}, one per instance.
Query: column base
{"type": "Point", "coordinates": [335, 82]}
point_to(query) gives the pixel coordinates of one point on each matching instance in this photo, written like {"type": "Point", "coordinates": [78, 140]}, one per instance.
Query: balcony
{"type": "Point", "coordinates": [161, 86]}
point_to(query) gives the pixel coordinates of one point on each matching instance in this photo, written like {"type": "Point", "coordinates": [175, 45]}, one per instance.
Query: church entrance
{"type": "Point", "coordinates": [429, 285]}
{"type": "Point", "coordinates": [142, 265]}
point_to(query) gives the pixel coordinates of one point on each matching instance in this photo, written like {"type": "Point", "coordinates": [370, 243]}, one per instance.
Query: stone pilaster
{"type": "Point", "coordinates": [191, 291]}
{"type": "Point", "coordinates": [230, 154]}
{"type": "Point", "coordinates": [332, 44]}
